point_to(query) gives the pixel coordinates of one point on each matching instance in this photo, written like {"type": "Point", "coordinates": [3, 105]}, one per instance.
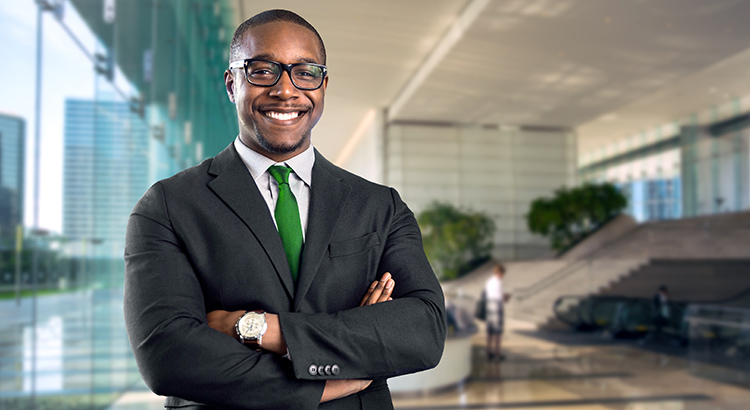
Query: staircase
{"type": "Point", "coordinates": [702, 258]}
{"type": "Point", "coordinates": [694, 280]}
{"type": "Point", "coordinates": [583, 277]}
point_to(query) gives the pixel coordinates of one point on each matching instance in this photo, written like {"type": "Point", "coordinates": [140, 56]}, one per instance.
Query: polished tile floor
{"type": "Point", "coordinates": [544, 374]}
{"type": "Point", "coordinates": [64, 351]}
{"type": "Point", "coordinates": [540, 373]}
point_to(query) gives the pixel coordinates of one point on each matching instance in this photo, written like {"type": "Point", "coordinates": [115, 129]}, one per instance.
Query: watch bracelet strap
{"type": "Point", "coordinates": [237, 327]}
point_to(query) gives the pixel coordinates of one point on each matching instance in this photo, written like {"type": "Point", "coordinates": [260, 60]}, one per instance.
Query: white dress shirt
{"type": "Point", "coordinates": [299, 181]}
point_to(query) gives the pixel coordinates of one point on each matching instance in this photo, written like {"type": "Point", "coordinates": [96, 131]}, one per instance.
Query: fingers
{"type": "Point", "coordinates": [379, 291]}
{"type": "Point", "coordinates": [368, 293]}
{"type": "Point", "coordinates": [386, 292]}
{"type": "Point", "coordinates": [382, 290]}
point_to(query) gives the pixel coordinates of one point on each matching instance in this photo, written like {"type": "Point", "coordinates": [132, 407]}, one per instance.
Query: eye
{"type": "Point", "coordinates": [307, 72]}
{"type": "Point", "coordinates": [261, 71]}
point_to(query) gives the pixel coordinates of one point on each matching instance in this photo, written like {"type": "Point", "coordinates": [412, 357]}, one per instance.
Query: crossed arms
{"type": "Point", "coordinates": [177, 271]}
{"type": "Point", "coordinates": [273, 341]}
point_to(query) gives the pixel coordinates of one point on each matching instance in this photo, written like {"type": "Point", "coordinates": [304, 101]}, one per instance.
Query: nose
{"type": "Point", "coordinates": [284, 89]}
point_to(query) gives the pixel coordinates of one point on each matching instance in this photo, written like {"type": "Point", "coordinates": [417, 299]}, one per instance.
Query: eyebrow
{"type": "Point", "coordinates": [271, 57]}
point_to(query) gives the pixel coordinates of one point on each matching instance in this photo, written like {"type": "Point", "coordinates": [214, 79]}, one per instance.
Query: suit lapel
{"type": "Point", "coordinates": [235, 186]}
{"type": "Point", "coordinates": [327, 199]}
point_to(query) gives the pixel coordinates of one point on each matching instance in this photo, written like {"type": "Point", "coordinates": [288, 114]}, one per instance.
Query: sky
{"type": "Point", "coordinates": [66, 73]}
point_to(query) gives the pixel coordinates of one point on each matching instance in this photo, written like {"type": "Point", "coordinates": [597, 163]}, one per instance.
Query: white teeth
{"type": "Point", "coordinates": [283, 116]}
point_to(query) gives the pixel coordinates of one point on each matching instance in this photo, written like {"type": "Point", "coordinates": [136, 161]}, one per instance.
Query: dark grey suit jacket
{"type": "Point", "coordinates": [204, 239]}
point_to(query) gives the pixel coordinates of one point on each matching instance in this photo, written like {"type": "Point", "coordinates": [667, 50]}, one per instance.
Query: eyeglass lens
{"type": "Point", "coordinates": [266, 73]}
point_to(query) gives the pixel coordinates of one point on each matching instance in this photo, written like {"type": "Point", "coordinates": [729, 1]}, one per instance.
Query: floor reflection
{"type": "Point", "coordinates": [82, 360]}
{"type": "Point", "coordinates": [67, 350]}
{"type": "Point", "coordinates": [541, 373]}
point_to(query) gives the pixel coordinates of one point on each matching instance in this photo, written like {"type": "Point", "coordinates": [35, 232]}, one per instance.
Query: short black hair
{"type": "Point", "coordinates": [269, 16]}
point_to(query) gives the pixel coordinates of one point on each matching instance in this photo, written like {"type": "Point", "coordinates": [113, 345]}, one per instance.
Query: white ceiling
{"type": "Point", "coordinates": [607, 68]}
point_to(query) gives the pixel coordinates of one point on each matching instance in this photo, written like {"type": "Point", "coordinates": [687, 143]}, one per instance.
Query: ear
{"type": "Point", "coordinates": [229, 83]}
{"type": "Point", "coordinates": [325, 84]}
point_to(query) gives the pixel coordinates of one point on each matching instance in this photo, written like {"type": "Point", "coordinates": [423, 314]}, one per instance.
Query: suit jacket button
{"type": "Point", "coordinates": [313, 370]}
{"type": "Point", "coordinates": [328, 369]}
{"type": "Point", "coordinates": [335, 369]}
{"type": "Point", "coordinates": [321, 370]}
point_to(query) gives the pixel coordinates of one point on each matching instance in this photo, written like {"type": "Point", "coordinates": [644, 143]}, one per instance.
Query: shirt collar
{"type": "Point", "coordinates": [258, 164]}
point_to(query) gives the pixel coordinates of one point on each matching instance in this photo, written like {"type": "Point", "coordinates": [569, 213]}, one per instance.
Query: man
{"type": "Point", "coordinates": [219, 239]}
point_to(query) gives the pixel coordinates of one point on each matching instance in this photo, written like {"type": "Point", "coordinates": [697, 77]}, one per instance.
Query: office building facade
{"type": "Point", "coordinates": [12, 152]}
{"type": "Point", "coordinates": [106, 165]}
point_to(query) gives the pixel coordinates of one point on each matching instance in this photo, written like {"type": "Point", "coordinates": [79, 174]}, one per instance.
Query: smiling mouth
{"type": "Point", "coordinates": [284, 116]}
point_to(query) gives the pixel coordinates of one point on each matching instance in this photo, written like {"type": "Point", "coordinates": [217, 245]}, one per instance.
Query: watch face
{"type": "Point", "coordinates": [252, 325]}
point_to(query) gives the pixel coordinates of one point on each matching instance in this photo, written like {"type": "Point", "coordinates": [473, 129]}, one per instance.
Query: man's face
{"type": "Point", "coordinates": [277, 121]}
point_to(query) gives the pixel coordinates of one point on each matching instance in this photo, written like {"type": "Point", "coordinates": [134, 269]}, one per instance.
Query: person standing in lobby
{"type": "Point", "coordinates": [661, 310]}
{"type": "Point", "coordinates": [245, 274]}
{"type": "Point", "coordinates": [495, 301]}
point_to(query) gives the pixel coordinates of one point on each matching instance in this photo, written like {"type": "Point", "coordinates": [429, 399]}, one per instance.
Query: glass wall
{"type": "Point", "coordinates": [129, 92]}
{"type": "Point", "coordinates": [716, 170]}
{"type": "Point", "coordinates": [495, 170]}
{"type": "Point", "coordinates": [700, 169]}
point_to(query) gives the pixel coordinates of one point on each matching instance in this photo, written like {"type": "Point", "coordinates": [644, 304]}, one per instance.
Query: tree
{"type": "Point", "coordinates": [455, 241]}
{"type": "Point", "coordinates": [573, 214]}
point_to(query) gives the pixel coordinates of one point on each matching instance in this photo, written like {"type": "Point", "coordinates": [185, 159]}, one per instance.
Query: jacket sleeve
{"type": "Point", "coordinates": [402, 336]}
{"type": "Point", "coordinates": [176, 352]}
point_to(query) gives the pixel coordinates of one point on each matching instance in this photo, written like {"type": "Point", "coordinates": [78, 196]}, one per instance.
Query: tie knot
{"type": "Point", "coordinates": [280, 173]}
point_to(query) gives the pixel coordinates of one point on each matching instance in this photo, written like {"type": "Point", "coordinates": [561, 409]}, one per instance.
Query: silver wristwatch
{"type": "Point", "coordinates": [251, 327]}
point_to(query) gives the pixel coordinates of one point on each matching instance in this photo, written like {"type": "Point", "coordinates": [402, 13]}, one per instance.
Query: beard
{"type": "Point", "coordinates": [269, 146]}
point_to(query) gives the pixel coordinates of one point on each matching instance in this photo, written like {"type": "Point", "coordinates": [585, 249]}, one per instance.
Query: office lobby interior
{"type": "Point", "coordinates": [485, 105]}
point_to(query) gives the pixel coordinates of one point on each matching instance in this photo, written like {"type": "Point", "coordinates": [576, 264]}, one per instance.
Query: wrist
{"type": "Point", "coordinates": [225, 322]}
{"type": "Point", "coordinates": [273, 339]}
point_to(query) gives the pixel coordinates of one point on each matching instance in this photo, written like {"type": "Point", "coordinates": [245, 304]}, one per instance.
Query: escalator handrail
{"type": "Point", "coordinates": [674, 305]}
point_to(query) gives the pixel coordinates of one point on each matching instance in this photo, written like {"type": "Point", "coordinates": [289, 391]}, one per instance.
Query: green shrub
{"type": "Point", "coordinates": [455, 241]}
{"type": "Point", "coordinates": [573, 214]}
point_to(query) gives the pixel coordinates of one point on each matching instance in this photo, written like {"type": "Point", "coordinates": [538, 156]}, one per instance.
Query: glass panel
{"type": "Point", "coordinates": [129, 94]}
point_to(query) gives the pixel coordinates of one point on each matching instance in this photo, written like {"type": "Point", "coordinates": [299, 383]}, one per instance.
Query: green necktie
{"type": "Point", "coordinates": [287, 218]}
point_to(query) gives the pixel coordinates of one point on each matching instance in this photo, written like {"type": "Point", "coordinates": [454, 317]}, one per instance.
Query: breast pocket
{"type": "Point", "coordinates": [353, 246]}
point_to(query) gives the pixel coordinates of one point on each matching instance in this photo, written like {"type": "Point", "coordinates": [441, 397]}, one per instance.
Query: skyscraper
{"type": "Point", "coordinates": [12, 137]}
{"type": "Point", "coordinates": [105, 168]}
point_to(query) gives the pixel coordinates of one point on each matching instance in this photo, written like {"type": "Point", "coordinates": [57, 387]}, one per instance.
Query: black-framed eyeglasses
{"type": "Point", "coordinates": [265, 73]}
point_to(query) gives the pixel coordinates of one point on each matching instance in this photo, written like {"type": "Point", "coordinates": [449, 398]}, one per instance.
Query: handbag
{"type": "Point", "coordinates": [481, 311]}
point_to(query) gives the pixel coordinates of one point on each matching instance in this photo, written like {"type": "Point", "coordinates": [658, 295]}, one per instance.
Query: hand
{"type": "Point", "coordinates": [379, 291]}
{"type": "Point", "coordinates": [224, 321]}
{"type": "Point", "coordinates": [336, 389]}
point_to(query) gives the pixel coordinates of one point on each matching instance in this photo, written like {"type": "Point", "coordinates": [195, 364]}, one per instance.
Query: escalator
{"type": "Point", "coordinates": [724, 322]}
{"type": "Point", "coordinates": [618, 316]}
